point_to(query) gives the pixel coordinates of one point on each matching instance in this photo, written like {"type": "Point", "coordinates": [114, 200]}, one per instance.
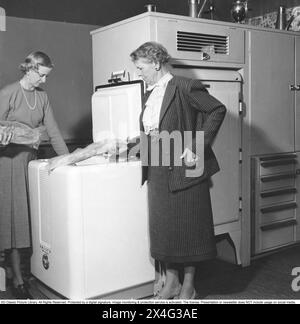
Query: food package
{"type": "Point", "coordinates": [94, 149]}
{"type": "Point", "coordinates": [23, 134]}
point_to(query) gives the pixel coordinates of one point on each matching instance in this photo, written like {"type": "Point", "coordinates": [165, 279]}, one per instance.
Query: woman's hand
{"type": "Point", "coordinates": [189, 157]}
{"type": "Point", "coordinates": [6, 134]}
{"type": "Point", "coordinates": [103, 148]}
{"type": "Point", "coordinates": [114, 146]}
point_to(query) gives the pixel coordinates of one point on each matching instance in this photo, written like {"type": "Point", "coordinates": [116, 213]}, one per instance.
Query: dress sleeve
{"type": "Point", "coordinates": [53, 131]}
{"type": "Point", "coordinates": [212, 109]}
{"type": "Point", "coordinates": [4, 104]}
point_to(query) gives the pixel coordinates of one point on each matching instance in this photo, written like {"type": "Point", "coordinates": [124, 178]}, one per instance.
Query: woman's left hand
{"type": "Point", "coordinates": [189, 156]}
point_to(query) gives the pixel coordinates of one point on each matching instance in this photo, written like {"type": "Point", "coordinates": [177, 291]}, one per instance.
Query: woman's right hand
{"type": "Point", "coordinates": [114, 146]}
{"type": "Point", "coordinates": [6, 134]}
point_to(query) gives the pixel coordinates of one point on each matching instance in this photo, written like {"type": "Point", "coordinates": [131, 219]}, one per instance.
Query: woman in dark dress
{"type": "Point", "coordinates": [24, 102]}
{"type": "Point", "coordinates": [180, 213]}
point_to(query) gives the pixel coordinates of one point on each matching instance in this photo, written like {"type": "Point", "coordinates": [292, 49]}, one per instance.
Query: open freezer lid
{"type": "Point", "coordinates": [116, 109]}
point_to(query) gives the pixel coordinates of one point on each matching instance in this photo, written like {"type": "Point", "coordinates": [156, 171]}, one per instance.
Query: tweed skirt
{"type": "Point", "coordinates": [14, 196]}
{"type": "Point", "coordinates": [180, 223]}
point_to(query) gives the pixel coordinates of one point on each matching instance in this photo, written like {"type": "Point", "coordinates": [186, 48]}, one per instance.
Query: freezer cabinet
{"type": "Point", "coordinates": [90, 228]}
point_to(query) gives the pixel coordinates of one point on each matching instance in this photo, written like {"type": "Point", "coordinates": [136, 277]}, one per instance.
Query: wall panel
{"type": "Point", "coordinates": [69, 86]}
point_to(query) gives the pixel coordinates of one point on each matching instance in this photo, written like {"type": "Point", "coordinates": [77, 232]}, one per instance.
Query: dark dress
{"type": "Point", "coordinates": [180, 213]}
{"type": "Point", "coordinates": [180, 223]}
{"type": "Point", "coordinates": [14, 195]}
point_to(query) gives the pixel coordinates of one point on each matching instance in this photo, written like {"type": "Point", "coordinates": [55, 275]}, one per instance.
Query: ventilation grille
{"type": "Point", "coordinates": [194, 42]}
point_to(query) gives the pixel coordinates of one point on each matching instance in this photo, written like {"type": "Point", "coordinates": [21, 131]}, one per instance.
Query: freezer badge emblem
{"type": "Point", "coordinates": [45, 261]}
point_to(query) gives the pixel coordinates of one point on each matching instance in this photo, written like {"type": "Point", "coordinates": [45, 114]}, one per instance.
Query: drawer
{"type": "Point", "coordinates": [276, 181]}
{"type": "Point", "coordinates": [277, 196]}
{"type": "Point", "coordinates": [277, 169]}
{"type": "Point", "coordinates": [279, 164]}
{"type": "Point", "coordinates": [277, 234]}
{"type": "Point", "coordinates": [277, 213]}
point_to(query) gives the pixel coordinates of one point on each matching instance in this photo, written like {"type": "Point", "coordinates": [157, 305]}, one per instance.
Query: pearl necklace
{"type": "Point", "coordinates": [28, 104]}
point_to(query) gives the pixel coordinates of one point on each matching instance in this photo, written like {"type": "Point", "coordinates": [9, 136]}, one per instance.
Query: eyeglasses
{"type": "Point", "coordinates": [40, 74]}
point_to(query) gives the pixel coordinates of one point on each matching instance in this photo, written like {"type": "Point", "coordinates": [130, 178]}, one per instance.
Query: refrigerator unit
{"type": "Point", "coordinates": [215, 54]}
{"type": "Point", "coordinates": [90, 220]}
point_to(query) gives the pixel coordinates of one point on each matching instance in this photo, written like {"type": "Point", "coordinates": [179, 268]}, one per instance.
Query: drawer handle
{"type": "Point", "coordinates": [273, 226]}
{"type": "Point", "coordinates": [278, 162]}
{"type": "Point", "coordinates": [277, 208]}
{"type": "Point", "coordinates": [205, 56]}
{"type": "Point", "coordinates": [278, 157]}
{"type": "Point", "coordinates": [275, 193]}
{"type": "Point", "coordinates": [278, 177]}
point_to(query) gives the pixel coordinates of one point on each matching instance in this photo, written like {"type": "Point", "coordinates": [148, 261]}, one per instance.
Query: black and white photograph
{"type": "Point", "coordinates": [150, 154]}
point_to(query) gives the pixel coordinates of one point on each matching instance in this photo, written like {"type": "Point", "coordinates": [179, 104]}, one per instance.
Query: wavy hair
{"type": "Point", "coordinates": [34, 60]}
{"type": "Point", "coordinates": [153, 52]}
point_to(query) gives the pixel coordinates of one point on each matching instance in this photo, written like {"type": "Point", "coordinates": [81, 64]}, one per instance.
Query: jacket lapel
{"type": "Point", "coordinates": [169, 94]}
{"type": "Point", "coordinates": [144, 100]}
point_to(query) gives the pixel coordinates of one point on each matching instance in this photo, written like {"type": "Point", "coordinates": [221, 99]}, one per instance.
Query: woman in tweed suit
{"type": "Point", "coordinates": [180, 213]}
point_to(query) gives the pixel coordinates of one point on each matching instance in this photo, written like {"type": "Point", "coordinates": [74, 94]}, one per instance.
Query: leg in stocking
{"type": "Point", "coordinates": [172, 285]}
{"type": "Point", "coordinates": [16, 267]}
{"type": "Point", "coordinates": [188, 287]}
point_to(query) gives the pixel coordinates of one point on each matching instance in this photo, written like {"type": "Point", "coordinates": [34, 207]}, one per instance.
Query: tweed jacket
{"type": "Point", "coordinates": [187, 106]}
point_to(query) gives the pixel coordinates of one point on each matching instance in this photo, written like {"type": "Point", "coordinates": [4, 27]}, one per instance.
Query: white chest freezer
{"type": "Point", "coordinates": [89, 228]}
{"type": "Point", "coordinates": [90, 222]}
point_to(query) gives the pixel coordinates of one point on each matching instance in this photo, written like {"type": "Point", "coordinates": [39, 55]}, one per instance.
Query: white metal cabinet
{"type": "Point", "coordinates": [268, 69]}
{"type": "Point", "coordinates": [274, 89]}
{"type": "Point", "coordinates": [275, 213]}
{"type": "Point", "coordinates": [272, 71]}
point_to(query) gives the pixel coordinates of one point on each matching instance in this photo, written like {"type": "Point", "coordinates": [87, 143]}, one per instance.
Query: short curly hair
{"type": "Point", "coordinates": [34, 60]}
{"type": "Point", "coordinates": [153, 52]}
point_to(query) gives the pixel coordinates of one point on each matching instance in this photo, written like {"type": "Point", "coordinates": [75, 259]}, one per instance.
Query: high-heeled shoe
{"type": "Point", "coordinates": [21, 292]}
{"type": "Point", "coordinates": [193, 296]}
{"type": "Point", "coordinates": [9, 282]}
{"type": "Point", "coordinates": [176, 292]}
